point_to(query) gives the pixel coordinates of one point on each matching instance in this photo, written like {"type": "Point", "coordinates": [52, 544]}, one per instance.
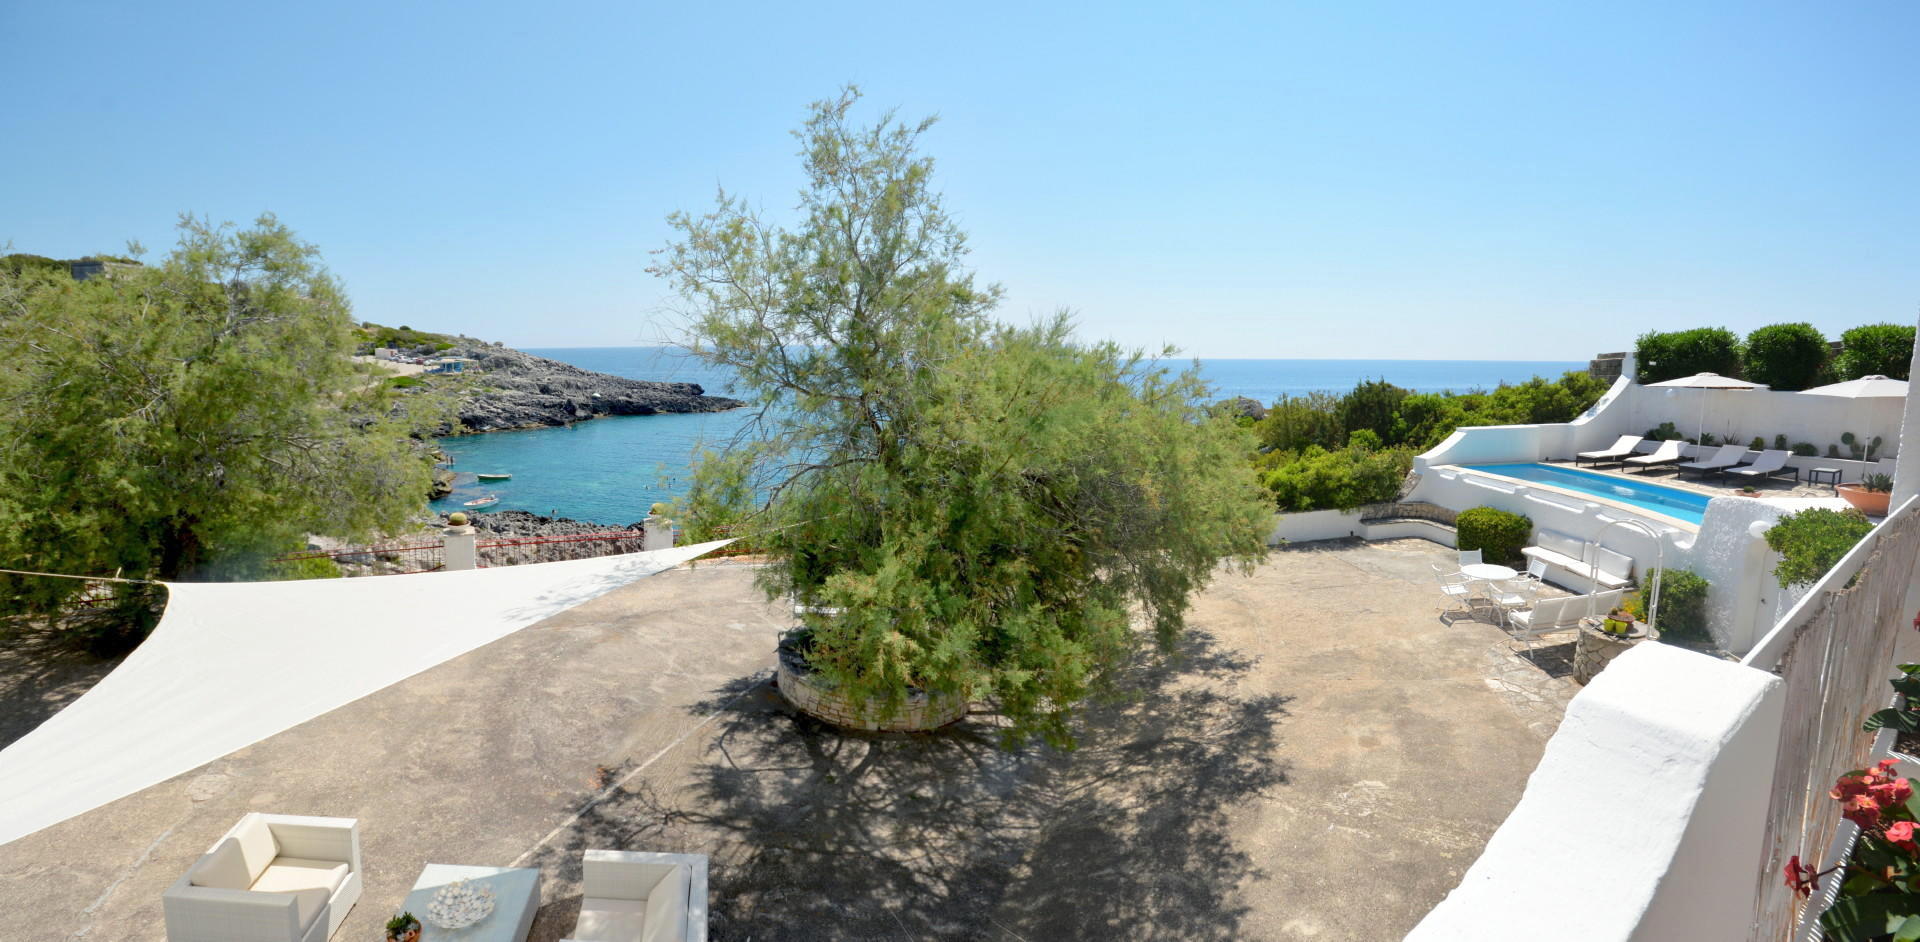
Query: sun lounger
{"type": "Point", "coordinates": [1621, 448]}
{"type": "Point", "coordinates": [1770, 464]}
{"type": "Point", "coordinates": [1726, 457]}
{"type": "Point", "coordinates": [1667, 453]}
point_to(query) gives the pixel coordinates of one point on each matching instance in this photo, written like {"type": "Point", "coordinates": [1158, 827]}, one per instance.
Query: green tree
{"type": "Point", "coordinates": [1876, 350]}
{"type": "Point", "coordinates": [1372, 405]}
{"type": "Point", "coordinates": [191, 419]}
{"type": "Point", "coordinates": [985, 505]}
{"type": "Point", "coordinates": [1787, 357]}
{"type": "Point", "coordinates": [1665, 356]}
{"type": "Point", "coordinates": [1295, 422]}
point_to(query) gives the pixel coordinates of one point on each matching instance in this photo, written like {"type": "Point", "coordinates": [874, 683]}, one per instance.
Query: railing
{"type": "Point", "coordinates": [409, 558]}
{"type": "Point", "coordinates": [382, 559]}
{"type": "Point", "coordinates": [1834, 652]}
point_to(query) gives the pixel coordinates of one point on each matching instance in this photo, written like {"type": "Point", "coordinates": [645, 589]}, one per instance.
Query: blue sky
{"type": "Point", "coordinates": [1486, 180]}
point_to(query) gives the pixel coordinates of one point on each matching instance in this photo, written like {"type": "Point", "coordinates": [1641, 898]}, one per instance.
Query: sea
{"type": "Point", "coordinates": [611, 470]}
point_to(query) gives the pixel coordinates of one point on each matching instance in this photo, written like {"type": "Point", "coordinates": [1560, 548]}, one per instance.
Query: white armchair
{"type": "Point", "coordinates": [631, 896]}
{"type": "Point", "coordinates": [273, 878]}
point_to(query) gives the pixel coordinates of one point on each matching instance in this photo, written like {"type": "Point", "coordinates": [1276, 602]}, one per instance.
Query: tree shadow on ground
{"type": "Point", "coordinates": [818, 833]}
{"type": "Point", "coordinates": [39, 676]}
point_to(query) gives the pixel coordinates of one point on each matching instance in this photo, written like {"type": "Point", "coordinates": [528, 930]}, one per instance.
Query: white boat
{"type": "Point", "coordinates": [486, 501]}
{"type": "Point", "coordinates": [493, 477]}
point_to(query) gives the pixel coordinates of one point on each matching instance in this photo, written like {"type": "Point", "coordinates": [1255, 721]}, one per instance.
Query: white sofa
{"type": "Point", "coordinates": [272, 878]}
{"type": "Point", "coordinates": [634, 896]}
{"type": "Point", "coordinates": [1578, 564]}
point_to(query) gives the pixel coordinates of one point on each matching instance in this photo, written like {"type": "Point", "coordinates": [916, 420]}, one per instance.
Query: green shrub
{"type": "Point", "coordinates": [1666, 431]}
{"type": "Point", "coordinates": [1876, 349]}
{"type": "Point", "coordinates": [1364, 439]}
{"type": "Point", "coordinates": [1373, 405]}
{"type": "Point", "coordinates": [1758, 444]}
{"type": "Point", "coordinates": [1683, 603]}
{"type": "Point", "coordinates": [309, 567]}
{"type": "Point", "coordinates": [1338, 480]}
{"type": "Point", "coordinates": [1665, 356]}
{"type": "Point", "coordinates": [1497, 534]}
{"type": "Point", "coordinates": [1780, 443]}
{"type": "Point", "coordinates": [1787, 357]}
{"type": "Point", "coordinates": [1805, 449]}
{"type": "Point", "coordinates": [405, 382]}
{"type": "Point", "coordinates": [1296, 422]}
{"type": "Point", "coordinates": [1811, 541]}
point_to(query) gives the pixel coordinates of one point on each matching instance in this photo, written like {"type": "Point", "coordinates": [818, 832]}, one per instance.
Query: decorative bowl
{"type": "Point", "coordinates": [460, 904]}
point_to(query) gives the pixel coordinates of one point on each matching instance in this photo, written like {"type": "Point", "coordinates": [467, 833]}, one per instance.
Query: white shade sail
{"type": "Point", "coordinates": [1866, 387]}
{"type": "Point", "coordinates": [190, 693]}
{"type": "Point", "coordinates": [1708, 381]}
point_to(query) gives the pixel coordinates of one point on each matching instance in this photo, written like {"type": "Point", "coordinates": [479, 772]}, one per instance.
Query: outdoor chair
{"type": "Point", "coordinates": [1621, 448]}
{"type": "Point", "coordinates": [1470, 558]}
{"type": "Point", "coordinates": [1668, 453]}
{"type": "Point", "coordinates": [1550, 615]}
{"type": "Point", "coordinates": [272, 878]}
{"type": "Point", "coordinates": [1771, 463]}
{"type": "Point", "coordinates": [1726, 457]}
{"type": "Point", "coordinates": [633, 896]}
{"type": "Point", "coordinates": [1457, 588]}
{"type": "Point", "coordinates": [1510, 597]}
{"type": "Point", "coordinates": [1536, 574]}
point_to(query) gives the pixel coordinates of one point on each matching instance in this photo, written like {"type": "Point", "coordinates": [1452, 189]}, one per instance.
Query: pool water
{"type": "Point", "coordinates": [1680, 504]}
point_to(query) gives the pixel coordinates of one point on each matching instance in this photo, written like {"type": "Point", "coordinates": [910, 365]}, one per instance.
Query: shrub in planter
{"type": "Point", "coordinates": [1811, 541]}
{"type": "Point", "coordinates": [1664, 432]}
{"type": "Point", "coordinates": [1787, 357]}
{"type": "Point", "coordinates": [1497, 534]}
{"type": "Point", "coordinates": [1780, 443]}
{"type": "Point", "coordinates": [1875, 350]}
{"type": "Point", "coordinates": [1665, 356]}
{"type": "Point", "coordinates": [986, 510]}
{"type": "Point", "coordinates": [1683, 603]}
{"type": "Point", "coordinates": [1758, 444]}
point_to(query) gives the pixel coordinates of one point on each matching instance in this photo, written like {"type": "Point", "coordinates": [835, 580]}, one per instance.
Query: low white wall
{"type": "Point", "coordinates": [1655, 782]}
{"type": "Point", "coordinates": [1551, 510]}
{"type": "Point", "coordinates": [1307, 526]}
{"type": "Point", "coordinates": [1738, 415]}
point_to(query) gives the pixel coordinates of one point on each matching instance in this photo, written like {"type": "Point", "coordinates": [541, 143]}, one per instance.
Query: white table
{"type": "Point", "coordinates": [516, 895]}
{"type": "Point", "coordinates": [1487, 572]}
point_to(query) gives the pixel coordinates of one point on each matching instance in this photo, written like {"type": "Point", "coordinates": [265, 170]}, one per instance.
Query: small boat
{"type": "Point", "coordinates": [486, 501]}
{"type": "Point", "coordinates": [492, 477]}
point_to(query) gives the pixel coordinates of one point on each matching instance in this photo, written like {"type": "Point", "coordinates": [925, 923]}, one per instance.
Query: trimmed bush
{"type": "Point", "coordinates": [1665, 356]}
{"type": "Point", "coordinates": [1758, 444]}
{"type": "Point", "coordinates": [1497, 534]}
{"type": "Point", "coordinates": [1338, 480]}
{"type": "Point", "coordinates": [1787, 357]}
{"type": "Point", "coordinates": [1683, 603]}
{"type": "Point", "coordinates": [1811, 541]}
{"type": "Point", "coordinates": [1876, 349]}
{"type": "Point", "coordinates": [1806, 449]}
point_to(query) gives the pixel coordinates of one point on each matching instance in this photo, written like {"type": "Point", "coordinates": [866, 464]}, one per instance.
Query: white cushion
{"type": "Point", "coordinates": [307, 904]}
{"type": "Point", "coordinates": [222, 868]}
{"type": "Point", "coordinates": [291, 874]}
{"type": "Point", "coordinates": [667, 908]}
{"type": "Point", "coordinates": [610, 920]}
{"type": "Point", "coordinates": [256, 844]}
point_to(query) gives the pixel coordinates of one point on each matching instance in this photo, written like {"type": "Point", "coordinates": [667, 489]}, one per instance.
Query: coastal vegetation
{"type": "Point", "coordinates": [1498, 534]}
{"type": "Point", "coordinates": [1786, 357]}
{"type": "Point", "coordinates": [1319, 451]}
{"type": "Point", "coordinates": [1811, 541]}
{"type": "Point", "coordinates": [983, 509]}
{"type": "Point", "coordinates": [189, 419]}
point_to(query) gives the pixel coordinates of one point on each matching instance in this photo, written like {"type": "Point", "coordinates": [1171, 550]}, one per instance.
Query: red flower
{"type": "Point", "coordinates": [1861, 810]}
{"type": "Point", "coordinates": [1802, 880]}
{"type": "Point", "coordinates": [1900, 834]}
{"type": "Point", "coordinates": [1892, 793]}
{"type": "Point", "coordinates": [1851, 786]}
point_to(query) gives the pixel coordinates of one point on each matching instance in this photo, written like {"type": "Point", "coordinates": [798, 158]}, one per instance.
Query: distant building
{"type": "Point", "coordinates": [449, 364]}
{"type": "Point", "coordinates": [83, 268]}
{"type": "Point", "coordinates": [383, 353]}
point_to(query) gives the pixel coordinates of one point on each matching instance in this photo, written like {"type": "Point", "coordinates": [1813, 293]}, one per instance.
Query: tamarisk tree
{"type": "Point", "coordinates": [988, 507]}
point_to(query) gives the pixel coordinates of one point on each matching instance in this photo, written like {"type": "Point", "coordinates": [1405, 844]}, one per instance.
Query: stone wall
{"type": "Point", "coordinates": [920, 712]}
{"type": "Point", "coordinates": [1606, 366]}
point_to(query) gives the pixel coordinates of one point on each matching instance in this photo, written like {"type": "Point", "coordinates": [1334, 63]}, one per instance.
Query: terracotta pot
{"type": "Point", "coordinates": [1871, 503]}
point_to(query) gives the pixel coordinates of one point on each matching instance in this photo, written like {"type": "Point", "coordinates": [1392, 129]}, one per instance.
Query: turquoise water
{"type": "Point", "coordinates": [1690, 506]}
{"type": "Point", "coordinates": [609, 470]}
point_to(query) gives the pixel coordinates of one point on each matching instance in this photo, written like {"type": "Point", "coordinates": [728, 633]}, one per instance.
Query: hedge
{"type": "Point", "coordinates": [1665, 356]}
{"type": "Point", "coordinates": [1499, 535]}
{"type": "Point", "coordinates": [1882, 349]}
{"type": "Point", "coordinates": [1787, 357]}
{"type": "Point", "coordinates": [1683, 603]}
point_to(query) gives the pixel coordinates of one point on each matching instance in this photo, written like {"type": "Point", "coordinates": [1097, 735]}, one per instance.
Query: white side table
{"type": "Point", "coordinates": [516, 896]}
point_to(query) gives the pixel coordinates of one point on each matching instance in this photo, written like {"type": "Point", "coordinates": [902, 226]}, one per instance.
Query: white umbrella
{"type": "Point", "coordinates": [1866, 387]}
{"type": "Point", "coordinates": [1703, 382]}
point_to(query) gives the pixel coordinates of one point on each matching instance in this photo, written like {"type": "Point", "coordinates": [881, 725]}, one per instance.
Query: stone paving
{"type": "Point", "coordinates": [1322, 760]}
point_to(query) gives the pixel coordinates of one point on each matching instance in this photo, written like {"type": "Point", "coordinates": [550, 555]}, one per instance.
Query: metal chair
{"type": "Point", "coordinates": [1457, 588]}
{"type": "Point", "coordinates": [1509, 596]}
{"type": "Point", "coordinates": [1469, 558]}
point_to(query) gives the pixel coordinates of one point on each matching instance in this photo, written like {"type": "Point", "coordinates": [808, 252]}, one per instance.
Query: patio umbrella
{"type": "Point", "coordinates": [1704, 382]}
{"type": "Point", "coordinates": [1866, 387]}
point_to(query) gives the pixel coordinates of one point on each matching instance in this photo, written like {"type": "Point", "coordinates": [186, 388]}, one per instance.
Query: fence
{"type": "Point", "coordinates": [1834, 652]}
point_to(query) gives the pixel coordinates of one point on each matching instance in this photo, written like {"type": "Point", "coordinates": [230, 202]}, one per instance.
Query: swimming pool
{"type": "Point", "coordinates": [1671, 501]}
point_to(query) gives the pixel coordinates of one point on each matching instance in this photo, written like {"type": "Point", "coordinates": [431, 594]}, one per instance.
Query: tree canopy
{"type": "Point", "coordinates": [1787, 357]}
{"type": "Point", "coordinates": [1876, 349]}
{"type": "Point", "coordinates": [1665, 356]}
{"type": "Point", "coordinates": [192, 418]}
{"type": "Point", "coordinates": [985, 504]}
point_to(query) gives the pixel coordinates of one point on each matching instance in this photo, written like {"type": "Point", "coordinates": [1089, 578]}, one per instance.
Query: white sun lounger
{"type": "Point", "coordinates": [1771, 463]}
{"type": "Point", "coordinates": [1667, 453]}
{"type": "Point", "coordinates": [1621, 448]}
{"type": "Point", "coordinates": [1726, 457]}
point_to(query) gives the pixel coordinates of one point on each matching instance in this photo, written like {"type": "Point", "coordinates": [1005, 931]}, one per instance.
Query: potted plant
{"type": "Point", "coordinates": [1748, 490]}
{"type": "Point", "coordinates": [1871, 495]}
{"type": "Point", "coordinates": [960, 510]}
{"type": "Point", "coordinates": [1618, 622]}
{"type": "Point", "coordinates": [403, 928]}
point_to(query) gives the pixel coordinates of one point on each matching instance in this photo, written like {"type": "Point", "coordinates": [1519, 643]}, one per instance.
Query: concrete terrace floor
{"type": "Point", "coordinates": [1323, 760]}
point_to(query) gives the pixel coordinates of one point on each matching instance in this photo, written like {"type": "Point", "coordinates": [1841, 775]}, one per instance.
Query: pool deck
{"type": "Point", "coordinates": [1323, 760]}
{"type": "Point", "coordinates": [1669, 476]}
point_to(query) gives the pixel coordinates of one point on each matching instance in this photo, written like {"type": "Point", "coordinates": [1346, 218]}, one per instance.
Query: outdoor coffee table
{"type": "Point", "coordinates": [1488, 572]}
{"type": "Point", "coordinates": [1832, 476]}
{"type": "Point", "coordinates": [516, 895]}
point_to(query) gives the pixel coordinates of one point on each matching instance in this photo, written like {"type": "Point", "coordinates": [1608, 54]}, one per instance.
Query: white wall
{"type": "Point", "coordinates": [1311, 525]}
{"type": "Point", "coordinates": [1743, 414]}
{"type": "Point", "coordinates": [1655, 783]}
{"type": "Point", "coordinates": [1743, 598]}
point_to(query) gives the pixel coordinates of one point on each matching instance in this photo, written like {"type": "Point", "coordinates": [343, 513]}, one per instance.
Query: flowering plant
{"type": "Point", "coordinates": [1880, 884]}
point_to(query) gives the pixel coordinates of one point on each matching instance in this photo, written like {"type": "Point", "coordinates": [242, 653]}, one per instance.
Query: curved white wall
{"type": "Point", "coordinates": [1655, 783]}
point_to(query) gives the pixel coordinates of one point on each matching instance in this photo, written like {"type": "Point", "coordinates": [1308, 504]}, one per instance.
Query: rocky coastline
{"type": "Point", "coordinates": [516, 390]}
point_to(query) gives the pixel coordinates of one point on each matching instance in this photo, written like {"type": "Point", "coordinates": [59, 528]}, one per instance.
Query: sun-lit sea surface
{"type": "Point", "coordinates": [609, 470]}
